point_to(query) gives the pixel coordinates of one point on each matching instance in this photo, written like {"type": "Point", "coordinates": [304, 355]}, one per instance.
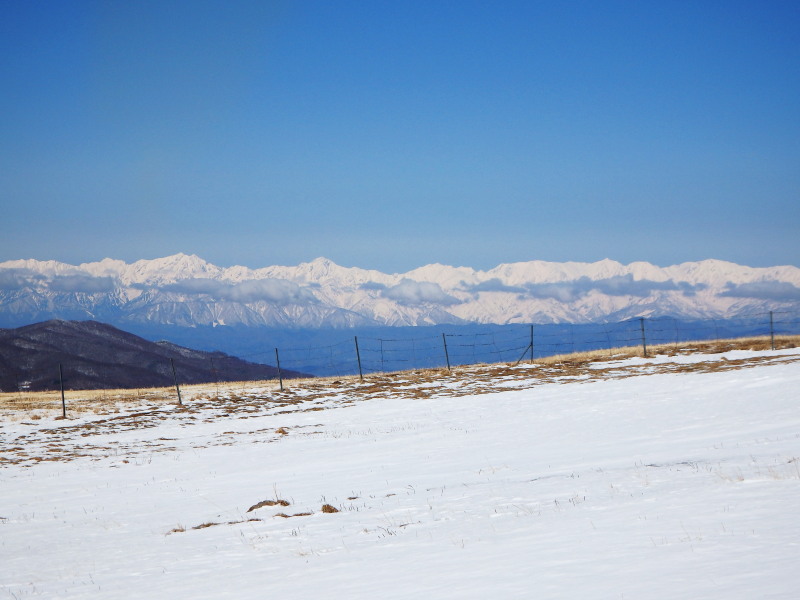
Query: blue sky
{"type": "Point", "coordinates": [390, 135]}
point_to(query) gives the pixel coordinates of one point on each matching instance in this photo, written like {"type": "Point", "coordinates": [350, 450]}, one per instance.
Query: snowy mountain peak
{"type": "Point", "coordinates": [171, 269]}
{"type": "Point", "coordinates": [318, 269]}
{"type": "Point", "coordinates": [185, 289]}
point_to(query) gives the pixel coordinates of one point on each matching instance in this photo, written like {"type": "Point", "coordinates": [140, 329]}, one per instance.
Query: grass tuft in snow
{"type": "Point", "coordinates": [264, 503]}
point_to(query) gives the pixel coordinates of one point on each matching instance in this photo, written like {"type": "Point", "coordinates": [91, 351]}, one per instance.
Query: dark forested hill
{"type": "Point", "coordinates": [98, 356]}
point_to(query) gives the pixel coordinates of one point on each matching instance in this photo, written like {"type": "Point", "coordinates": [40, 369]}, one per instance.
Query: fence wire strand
{"type": "Point", "coordinates": [515, 343]}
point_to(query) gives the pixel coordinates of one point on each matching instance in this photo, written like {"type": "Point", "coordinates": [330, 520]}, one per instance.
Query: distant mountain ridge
{"type": "Point", "coordinates": [184, 290]}
{"type": "Point", "coordinates": [99, 356]}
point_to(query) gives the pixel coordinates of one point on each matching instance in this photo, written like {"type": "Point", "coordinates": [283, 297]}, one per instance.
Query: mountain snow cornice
{"type": "Point", "coordinates": [186, 290]}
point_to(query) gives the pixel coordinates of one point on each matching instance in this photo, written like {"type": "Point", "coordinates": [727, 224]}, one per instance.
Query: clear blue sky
{"type": "Point", "coordinates": [390, 135]}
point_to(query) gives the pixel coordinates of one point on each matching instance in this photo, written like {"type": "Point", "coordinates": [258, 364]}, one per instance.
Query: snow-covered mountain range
{"type": "Point", "coordinates": [187, 291]}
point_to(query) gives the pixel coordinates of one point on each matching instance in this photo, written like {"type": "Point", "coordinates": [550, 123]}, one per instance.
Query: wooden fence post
{"type": "Point", "coordinates": [358, 356]}
{"type": "Point", "coordinates": [278, 364]}
{"type": "Point", "coordinates": [446, 353]}
{"type": "Point", "coordinates": [531, 344]}
{"type": "Point", "coordinates": [63, 402]}
{"type": "Point", "coordinates": [644, 341]}
{"type": "Point", "coordinates": [175, 379]}
{"type": "Point", "coordinates": [771, 331]}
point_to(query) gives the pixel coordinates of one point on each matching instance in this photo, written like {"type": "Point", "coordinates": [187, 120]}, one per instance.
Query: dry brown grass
{"type": "Point", "coordinates": [46, 440]}
{"type": "Point", "coordinates": [702, 347]}
{"type": "Point", "coordinates": [182, 529]}
{"type": "Point", "coordinates": [245, 397]}
{"type": "Point", "coordinates": [264, 503]}
{"type": "Point", "coordinates": [96, 401]}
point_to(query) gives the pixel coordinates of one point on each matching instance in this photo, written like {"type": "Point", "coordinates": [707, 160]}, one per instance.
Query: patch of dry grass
{"type": "Point", "coordinates": [127, 410]}
{"type": "Point", "coordinates": [182, 529]}
{"type": "Point", "coordinates": [673, 349]}
{"type": "Point", "coordinates": [264, 503]}
{"type": "Point", "coordinates": [102, 402]}
{"type": "Point", "coordinates": [249, 397]}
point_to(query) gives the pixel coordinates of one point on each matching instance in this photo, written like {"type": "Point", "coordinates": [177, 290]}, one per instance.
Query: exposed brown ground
{"type": "Point", "coordinates": [240, 396]}
{"type": "Point", "coordinates": [93, 417]}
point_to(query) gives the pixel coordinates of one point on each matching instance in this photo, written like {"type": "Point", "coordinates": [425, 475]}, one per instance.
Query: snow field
{"type": "Point", "coordinates": [654, 486]}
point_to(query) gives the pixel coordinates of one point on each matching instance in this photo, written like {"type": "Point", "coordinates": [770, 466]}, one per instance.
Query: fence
{"type": "Point", "coordinates": [456, 346]}
{"type": "Point", "coordinates": [449, 347]}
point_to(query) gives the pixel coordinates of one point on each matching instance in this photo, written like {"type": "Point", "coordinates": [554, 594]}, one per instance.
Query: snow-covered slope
{"type": "Point", "coordinates": [643, 479]}
{"type": "Point", "coordinates": [186, 290]}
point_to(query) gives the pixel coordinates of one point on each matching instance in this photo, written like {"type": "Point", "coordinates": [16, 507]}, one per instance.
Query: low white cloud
{"type": "Point", "coordinates": [85, 284]}
{"type": "Point", "coordinates": [372, 285]}
{"type": "Point", "coordinates": [410, 292]}
{"type": "Point", "coordinates": [779, 291]}
{"type": "Point", "coordinates": [620, 285]}
{"type": "Point", "coordinates": [197, 285]}
{"type": "Point", "coordinates": [492, 285]}
{"type": "Point", "coordinates": [279, 291]}
{"type": "Point", "coordinates": [17, 279]}
{"type": "Point", "coordinates": [276, 291]}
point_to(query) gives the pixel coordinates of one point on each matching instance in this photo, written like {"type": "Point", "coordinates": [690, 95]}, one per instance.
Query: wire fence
{"type": "Point", "coordinates": [362, 355]}
{"type": "Point", "coordinates": [457, 346]}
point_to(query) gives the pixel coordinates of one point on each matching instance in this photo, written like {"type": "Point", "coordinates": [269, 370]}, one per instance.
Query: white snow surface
{"type": "Point", "coordinates": [661, 485]}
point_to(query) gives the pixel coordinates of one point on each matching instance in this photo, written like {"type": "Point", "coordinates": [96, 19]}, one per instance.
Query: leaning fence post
{"type": "Point", "coordinates": [446, 354]}
{"type": "Point", "coordinates": [175, 379]}
{"type": "Point", "coordinates": [644, 341]}
{"type": "Point", "coordinates": [61, 381]}
{"type": "Point", "coordinates": [771, 331]}
{"type": "Point", "coordinates": [358, 356]}
{"type": "Point", "coordinates": [278, 364]}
